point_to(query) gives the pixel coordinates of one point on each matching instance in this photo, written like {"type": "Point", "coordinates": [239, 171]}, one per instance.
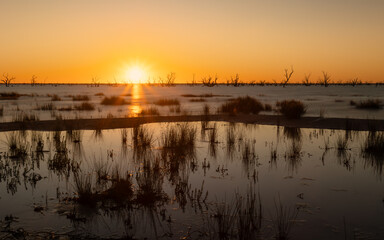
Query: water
{"type": "Point", "coordinates": [333, 101]}
{"type": "Point", "coordinates": [336, 191]}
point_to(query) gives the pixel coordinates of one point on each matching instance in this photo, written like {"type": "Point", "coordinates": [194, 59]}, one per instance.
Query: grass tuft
{"type": "Point", "coordinates": [245, 105]}
{"type": "Point", "coordinates": [291, 108]}
{"type": "Point", "coordinates": [115, 101]}
{"type": "Point", "coordinates": [167, 102]}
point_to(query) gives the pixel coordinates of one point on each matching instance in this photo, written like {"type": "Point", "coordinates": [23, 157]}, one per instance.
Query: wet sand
{"type": "Point", "coordinates": [111, 123]}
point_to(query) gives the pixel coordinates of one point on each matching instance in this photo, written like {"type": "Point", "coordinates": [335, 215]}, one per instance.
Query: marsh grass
{"type": "Point", "coordinates": [167, 102]}
{"type": "Point", "coordinates": [246, 105]}
{"type": "Point", "coordinates": [55, 97]}
{"type": "Point", "coordinates": [142, 140]}
{"type": "Point", "coordinates": [17, 145]}
{"type": "Point", "coordinates": [1, 110]}
{"type": "Point", "coordinates": [79, 97]}
{"type": "Point", "coordinates": [124, 136]}
{"type": "Point", "coordinates": [372, 150]}
{"type": "Point", "coordinates": [114, 101]}
{"type": "Point", "coordinates": [291, 108]}
{"type": "Point", "coordinates": [46, 107]}
{"type": "Point", "coordinates": [25, 117]}
{"type": "Point", "coordinates": [284, 220]}
{"type": "Point", "coordinates": [151, 111]}
{"type": "Point", "coordinates": [368, 104]}
{"type": "Point", "coordinates": [83, 187]}
{"type": "Point", "coordinates": [9, 96]}
{"type": "Point", "coordinates": [85, 106]}
{"type": "Point", "coordinates": [197, 100]}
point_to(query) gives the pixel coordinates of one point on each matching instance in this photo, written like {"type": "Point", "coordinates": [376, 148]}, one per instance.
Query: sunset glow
{"type": "Point", "coordinates": [135, 74]}
{"type": "Point", "coordinates": [255, 39]}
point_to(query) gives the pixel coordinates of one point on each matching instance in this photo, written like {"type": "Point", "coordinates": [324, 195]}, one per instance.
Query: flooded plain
{"type": "Point", "coordinates": [197, 180]}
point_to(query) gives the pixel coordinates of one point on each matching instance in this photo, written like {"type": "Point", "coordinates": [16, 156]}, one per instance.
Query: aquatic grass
{"type": "Point", "coordinates": [85, 106]}
{"type": "Point", "coordinates": [25, 117]}
{"type": "Point", "coordinates": [17, 145]}
{"type": "Point", "coordinates": [83, 187]}
{"type": "Point", "coordinates": [80, 97]}
{"type": "Point", "coordinates": [167, 102]}
{"type": "Point", "coordinates": [151, 111]}
{"type": "Point", "coordinates": [142, 138]}
{"type": "Point", "coordinates": [291, 108]}
{"type": "Point", "coordinates": [1, 110]}
{"type": "Point", "coordinates": [54, 97]}
{"type": "Point", "coordinates": [284, 220]}
{"type": "Point", "coordinates": [114, 101]}
{"type": "Point", "coordinates": [124, 136]}
{"type": "Point", "coordinates": [372, 150]}
{"type": "Point", "coordinates": [46, 107]}
{"type": "Point", "coordinates": [246, 105]}
{"type": "Point", "coordinates": [9, 95]}
{"type": "Point", "coordinates": [369, 104]}
{"type": "Point", "coordinates": [197, 100]}
{"type": "Point", "coordinates": [250, 215]}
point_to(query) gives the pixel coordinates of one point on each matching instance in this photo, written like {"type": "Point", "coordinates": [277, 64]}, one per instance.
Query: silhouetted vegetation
{"type": "Point", "coordinates": [85, 106]}
{"type": "Point", "coordinates": [80, 97]}
{"type": "Point", "coordinates": [9, 96]}
{"type": "Point", "coordinates": [114, 101]}
{"type": "Point", "coordinates": [367, 104]}
{"type": "Point", "coordinates": [167, 102]}
{"type": "Point", "coordinates": [291, 108]}
{"type": "Point", "coordinates": [245, 105]}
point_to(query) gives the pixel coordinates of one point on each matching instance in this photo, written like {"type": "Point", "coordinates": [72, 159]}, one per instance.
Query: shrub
{"type": "Point", "coordinates": [80, 98]}
{"type": "Point", "coordinates": [113, 101]}
{"type": "Point", "coordinates": [85, 106]}
{"type": "Point", "coordinates": [55, 97]}
{"type": "Point", "coordinates": [245, 105]}
{"type": "Point", "coordinates": [9, 96]}
{"type": "Point", "coordinates": [369, 104]}
{"type": "Point", "coordinates": [167, 102]}
{"type": "Point", "coordinates": [150, 111]}
{"type": "Point", "coordinates": [291, 108]}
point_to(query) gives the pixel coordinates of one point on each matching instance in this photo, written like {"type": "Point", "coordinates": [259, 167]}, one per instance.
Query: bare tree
{"type": "Point", "coordinates": [95, 82]}
{"type": "Point", "coordinates": [209, 81]}
{"type": "Point", "coordinates": [171, 77]}
{"type": "Point", "coordinates": [7, 80]}
{"type": "Point", "coordinates": [235, 81]}
{"type": "Point", "coordinates": [33, 80]}
{"type": "Point", "coordinates": [287, 76]}
{"type": "Point", "coordinates": [326, 79]}
{"type": "Point", "coordinates": [306, 81]}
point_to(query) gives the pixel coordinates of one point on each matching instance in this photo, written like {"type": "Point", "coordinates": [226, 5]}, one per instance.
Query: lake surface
{"type": "Point", "coordinates": [186, 191]}
{"type": "Point", "coordinates": [332, 101]}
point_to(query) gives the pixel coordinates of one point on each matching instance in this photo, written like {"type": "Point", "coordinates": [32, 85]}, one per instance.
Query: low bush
{"type": "Point", "coordinates": [245, 105]}
{"type": "Point", "coordinates": [369, 104]}
{"type": "Point", "coordinates": [113, 101]}
{"type": "Point", "coordinates": [167, 102]}
{"type": "Point", "coordinates": [291, 108]}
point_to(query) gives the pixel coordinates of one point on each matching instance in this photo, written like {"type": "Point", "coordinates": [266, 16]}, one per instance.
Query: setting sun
{"type": "Point", "coordinates": [135, 74]}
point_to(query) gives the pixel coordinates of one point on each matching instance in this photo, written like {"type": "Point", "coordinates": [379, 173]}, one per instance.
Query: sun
{"type": "Point", "coordinates": [135, 74]}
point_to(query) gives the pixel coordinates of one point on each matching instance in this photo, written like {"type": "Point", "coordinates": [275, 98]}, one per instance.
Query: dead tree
{"type": "Point", "coordinates": [7, 80]}
{"type": "Point", "coordinates": [33, 80]}
{"type": "Point", "coordinates": [171, 77]}
{"type": "Point", "coordinates": [325, 80]}
{"type": "Point", "coordinates": [287, 76]}
{"type": "Point", "coordinates": [306, 81]}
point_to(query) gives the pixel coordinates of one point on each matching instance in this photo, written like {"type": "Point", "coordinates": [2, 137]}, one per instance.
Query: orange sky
{"type": "Point", "coordinates": [73, 41]}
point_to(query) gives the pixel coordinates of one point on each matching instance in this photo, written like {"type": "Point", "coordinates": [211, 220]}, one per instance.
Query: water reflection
{"type": "Point", "coordinates": [161, 180]}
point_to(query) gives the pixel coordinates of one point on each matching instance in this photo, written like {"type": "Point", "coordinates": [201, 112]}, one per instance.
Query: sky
{"type": "Point", "coordinates": [76, 40]}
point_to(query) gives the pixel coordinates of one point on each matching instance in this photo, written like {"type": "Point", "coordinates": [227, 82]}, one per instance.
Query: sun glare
{"type": "Point", "coordinates": [135, 74]}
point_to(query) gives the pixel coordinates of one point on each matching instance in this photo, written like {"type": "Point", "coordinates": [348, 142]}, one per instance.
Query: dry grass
{"type": "Point", "coordinates": [85, 106]}
{"type": "Point", "coordinates": [114, 101]}
{"type": "Point", "coordinates": [167, 102]}
{"type": "Point", "coordinates": [245, 105]}
{"type": "Point", "coordinates": [291, 108]}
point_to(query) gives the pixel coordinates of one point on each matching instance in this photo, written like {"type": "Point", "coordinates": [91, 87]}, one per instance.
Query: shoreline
{"type": "Point", "coordinates": [276, 120]}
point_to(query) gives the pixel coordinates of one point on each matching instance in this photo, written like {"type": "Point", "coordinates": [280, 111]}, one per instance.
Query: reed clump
{"type": "Point", "coordinates": [85, 106]}
{"type": "Point", "coordinates": [246, 105]}
{"type": "Point", "coordinates": [114, 101]}
{"type": "Point", "coordinates": [167, 102]}
{"type": "Point", "coordinates": [80, 97]}
{"type": "Point", "coordinates": [151, 111]}
{"type": "Point", "coordinates": [291, 108]}
{"type": "Point", "coordinates": [369, 104]}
